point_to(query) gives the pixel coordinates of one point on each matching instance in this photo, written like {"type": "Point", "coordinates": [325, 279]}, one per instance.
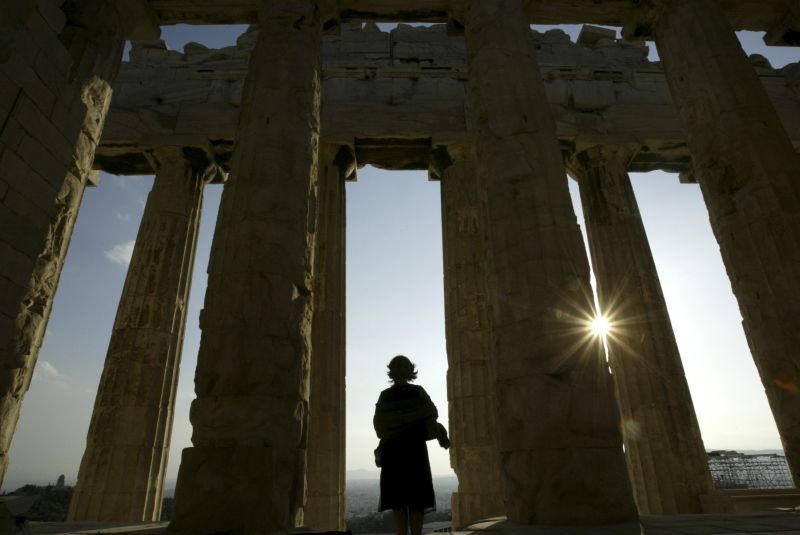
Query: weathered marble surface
{"type": "Point", "coordinates": [246, 469]}
{"type": "Point", "coordinates": [410, 84]}
{"type": "Point", "coordinates": [666, 459]}
{"type": "Point", "coordinates": [121, 476]}
{"type": "Point", "coordinates": [325, 500]}
{"type": "Point", "coordinates": [470, 367]}
{"type": "Point", "coordinates": [559, 441]}
{"type": "Point", "coordinates": [749, 173]}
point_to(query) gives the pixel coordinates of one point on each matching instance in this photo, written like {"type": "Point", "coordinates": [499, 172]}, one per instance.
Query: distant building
{"type": "Point", "coordinates": [735, 470]}
{"type": "Point", "coordinates": [60, 482]}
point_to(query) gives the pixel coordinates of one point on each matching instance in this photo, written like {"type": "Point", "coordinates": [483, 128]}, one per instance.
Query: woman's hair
{"type": "Point", "coordinates": [400, 368]}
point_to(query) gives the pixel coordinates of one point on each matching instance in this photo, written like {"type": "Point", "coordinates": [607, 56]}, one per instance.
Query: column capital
{"type": "Point", "coordinates": [199, 160]}
{"type": "Point", "coordinates": [602, 155]}
{"type": "Point", "coordinates": [342, 156]}
{"type": "Point", "coordinates": [442, 157]}
{"type": "Point", "coordinates": [345, 159]}
{"type": "Point", "coordinates": [330, 17]}
{"type": "Point", "coordinates": [639, 25]}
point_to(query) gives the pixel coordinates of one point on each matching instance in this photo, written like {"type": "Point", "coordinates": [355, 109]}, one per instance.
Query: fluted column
{"type": "Point", "coordinates": [560, 446]}
{"type": "Point", "coordinates": [57, 66]}
{"type": "Point", "coordinates": [470, 373]}
{"type": "Point", "coordinates": [666, 458]}
{"type": "Point", "coordinates": [326, 429]}
{"type": "Point", "coordinates": [121, 475]}
{"type": "Point", "coordinates": [246, 470]}
{"type": "Point", "coordinates": [750, 177]}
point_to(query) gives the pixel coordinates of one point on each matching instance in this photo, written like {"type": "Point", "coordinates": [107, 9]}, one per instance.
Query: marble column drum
{"type": "Point", "coordinates": [121, 476]}
{"type": "Point", "coordinates": [325, 503]}
{"type": "Point", "coordinates": [470, 373]}
{"type": "Point", "coordinates": [57, 67]}
{"type": "Point", "coordinates": [666, 458]}
{"type": "Point", "coordinates": [749, 173]}
{"type": "Point", "coordinates": [246, 470]}
{"type": "Point", "coordinates": [560, 445]}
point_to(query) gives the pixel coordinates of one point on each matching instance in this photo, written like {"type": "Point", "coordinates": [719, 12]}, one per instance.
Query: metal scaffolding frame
{"type": "Point", "coordinates": [735, 470]}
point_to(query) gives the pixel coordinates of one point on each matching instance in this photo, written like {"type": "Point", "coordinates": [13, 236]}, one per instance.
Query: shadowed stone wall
{"type": "Point", "coordinates": [57, 63]}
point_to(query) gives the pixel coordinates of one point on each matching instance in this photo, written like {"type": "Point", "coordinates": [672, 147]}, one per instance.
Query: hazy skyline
{"type": "Point", "coordinates": [394, 305]}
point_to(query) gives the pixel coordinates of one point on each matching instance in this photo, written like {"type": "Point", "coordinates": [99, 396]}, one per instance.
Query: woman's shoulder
{"type": "Point", "coordinates": [419, 390]}
{"type": "Point", "coordinates": [386, 394]}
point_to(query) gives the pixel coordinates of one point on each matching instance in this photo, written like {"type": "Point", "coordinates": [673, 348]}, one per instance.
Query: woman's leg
{"type": "Point", "coordinates": [401, 521]}
{"type": "Point", "coordinates": [415, 519]}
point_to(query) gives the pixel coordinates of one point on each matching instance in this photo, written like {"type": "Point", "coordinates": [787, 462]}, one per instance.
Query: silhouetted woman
{"type": "Point", "coordinates": [405, 418]}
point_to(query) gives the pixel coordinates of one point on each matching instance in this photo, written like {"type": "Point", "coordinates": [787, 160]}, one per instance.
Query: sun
{"type": "Point", "coordinates": [600, 326]}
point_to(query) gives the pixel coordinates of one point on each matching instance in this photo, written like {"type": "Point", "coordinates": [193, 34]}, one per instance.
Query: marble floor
{"type": "Point", "coordinates": [784, 523]}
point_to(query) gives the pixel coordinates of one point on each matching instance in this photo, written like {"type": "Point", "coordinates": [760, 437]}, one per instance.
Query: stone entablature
{"type": "Point", "coordinates": [776, 17]}
{"type": "Point", "coordinates": [409, 83]}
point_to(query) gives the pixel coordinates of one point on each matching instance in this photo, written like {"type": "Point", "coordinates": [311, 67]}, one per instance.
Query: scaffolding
{"type": "Point", "coordinates": [735, 470]}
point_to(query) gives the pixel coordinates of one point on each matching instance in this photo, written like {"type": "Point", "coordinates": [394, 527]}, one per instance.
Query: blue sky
{"type": "Point", "coordinates": [394, 305]}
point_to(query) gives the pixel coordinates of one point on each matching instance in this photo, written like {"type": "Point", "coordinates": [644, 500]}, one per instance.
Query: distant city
{"type": "Point", "coordinates": [730, 469]}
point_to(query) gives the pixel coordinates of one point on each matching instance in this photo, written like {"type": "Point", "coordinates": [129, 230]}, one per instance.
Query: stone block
{"type": "Point", "coordinates": [9, 93]}
{"type": "Point", "coordinates": [579, 484]}
{"type": "Point", "coordinates": [47, 40]}
{"type": "Point", "coordinates": [24, 77]}
{"type": "Point", "coordinates": [52, 14]}
{"type": "Point", "coordinates": [35, 189]}
{"type": "Point", "coordinates": [13, 169]}
{"type": "Point", "coordinates": [23, 46]}
{"type": "Point", "coordinates": [16, 266]}
{"type": "Point", "coordinates": [53, 74]}
{"type": "Point", "coordinates": [592, 95]}
{"type": "Point", "coordinates": [25, 209]}
{"type": "Point", "coordinates": [245, 479]}
{"type": "Point", "coordinates": [10, 292]}
{"type": "Point", "coordinates": [42, 129]}
{"type": "Point", "coordinates": [38, 158]}
{"type": "Point", "coordinates": [590, 35]}
{"type": "Point", "coordinates": [12, 134]}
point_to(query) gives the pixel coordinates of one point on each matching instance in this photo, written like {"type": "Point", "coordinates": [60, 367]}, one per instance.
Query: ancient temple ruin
{"type": "Point", "coordinates": [495, 111]}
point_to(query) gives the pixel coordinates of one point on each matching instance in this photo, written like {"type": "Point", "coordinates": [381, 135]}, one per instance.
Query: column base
{"type": "Point", "coordinates": [469, 507]}
{"type": "Point", "coordinates": [235, 489]}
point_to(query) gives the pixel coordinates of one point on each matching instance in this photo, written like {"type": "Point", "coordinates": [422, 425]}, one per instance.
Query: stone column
{"type": "Point", "coordinates": [470, 374]}
{"type": "Point", "coordinates": [750, 177]}
{"type": "Point", "coordinates": [666, 458]}
{"type": "Point", "coordinates": [560, 445]}
{"type": "Point", "coordinates": [326, 437]}
{"type": "Point", "coordinates": [246, 470]}
{"type": "Point", "coordinates": [57, 65]}
{"type": "Point", "coordinates": [122, 472]}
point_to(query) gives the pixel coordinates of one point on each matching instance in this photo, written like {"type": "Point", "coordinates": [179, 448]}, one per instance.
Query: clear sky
{"type": "Point", "coordinates": [394, 305]}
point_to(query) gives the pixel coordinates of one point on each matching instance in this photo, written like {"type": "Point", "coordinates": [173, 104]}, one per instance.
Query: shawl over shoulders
{"type": "Point", "coordinates": [399, 407]}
